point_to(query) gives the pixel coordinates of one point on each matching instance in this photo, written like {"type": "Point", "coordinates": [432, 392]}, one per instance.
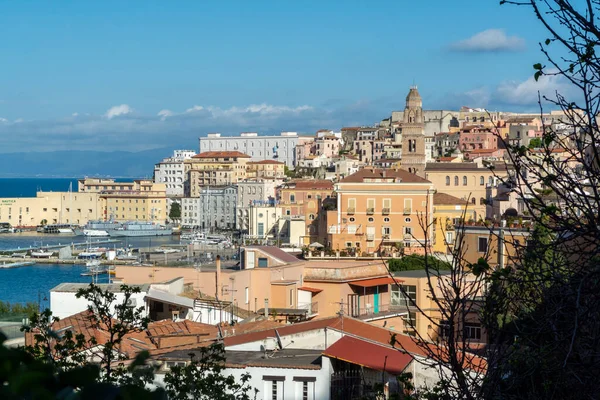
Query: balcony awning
{"type": "Point", "coordinates": [375, 282]}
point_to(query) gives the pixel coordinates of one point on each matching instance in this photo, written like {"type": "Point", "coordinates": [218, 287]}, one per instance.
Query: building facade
{"type": "Point", "coordinates": [51, 208]}
{"type": "Point", "coordinates": [304, 199]}
{"type": "Point", "coordinates": [280, 148]}
{"type": "Point", "coordinates": [214, 209]}
{"type": "Point", "coordinates": [379, 210]}
{"type": "Point", "coordinates": [253, 192]}
{"type": "Point", "coordinates": [171, 172]}
{"type": "Point", "coordinates": [268, 169]}
{"type": "Point", "coordinates": [214, 168]}
{"type": "Point", "coordinates": [467, 181]}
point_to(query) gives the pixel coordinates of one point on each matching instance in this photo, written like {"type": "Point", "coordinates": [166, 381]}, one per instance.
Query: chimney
{"type": "Point", "coordinates": [267, 308]}
{"type": "Point", "coordinates": [218, 277]}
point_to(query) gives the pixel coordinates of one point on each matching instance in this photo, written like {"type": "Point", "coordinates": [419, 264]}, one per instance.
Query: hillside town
{"type": "Point", "coordinates": [316, 224]}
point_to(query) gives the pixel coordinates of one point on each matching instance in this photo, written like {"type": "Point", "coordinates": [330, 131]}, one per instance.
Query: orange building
{"type": "Point", "coordinates": [379, 210]}
{"type": "Point", "coordinates": [305, 198]}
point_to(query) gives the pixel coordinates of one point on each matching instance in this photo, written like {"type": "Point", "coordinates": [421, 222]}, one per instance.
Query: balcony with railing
{"type": "Point", "coordinates": [407, 211]}
{"type": "Point", "coordinates": [370, 211]}
{"type": "Point", "coordinates": [370, 237]}
{"type": "Point", "coordinates": [350, 211]}
{"type": "Point", "coordinates": [385, 211]}
{"type": "Point", "coordinates": [312, 309]}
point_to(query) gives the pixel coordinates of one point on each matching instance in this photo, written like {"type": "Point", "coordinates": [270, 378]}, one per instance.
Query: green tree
{"type": "Point", "coordinates": [70, 349]}
{"type": "Point", "coordinates": [69, 364]}
{"type": "Point", "coordinates": [175, 212]}
{"type": "Point", "coordinates": [417, 262]}
{"type": "Point", "coordinates": [535, 143]}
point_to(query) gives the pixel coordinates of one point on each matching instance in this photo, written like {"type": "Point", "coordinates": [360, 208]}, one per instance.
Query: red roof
{"type": "Point", "coordinates": [370, 355]}
{"type": "Point", "coordinates": [383, 173]}
{"type": "Point", "coordinates": [221, 154]}
{"type": "Point", "coordinates": [359, 329]}
{"type": "Point", "coordinates": [375, 282]}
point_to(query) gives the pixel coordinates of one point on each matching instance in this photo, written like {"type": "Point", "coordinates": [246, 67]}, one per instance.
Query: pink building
{"type": "Point", "coordinates": [304, 148]}
{"type": "Point", "coordinates": [477, 138]}
{"type": "Point", "coordinates": [327, 145]}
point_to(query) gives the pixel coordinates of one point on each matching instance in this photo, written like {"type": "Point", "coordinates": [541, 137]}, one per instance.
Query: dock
{"type": "Point", "coordinates": [60, 245]}
{"type": "Point", "coordinates": [17, 264]}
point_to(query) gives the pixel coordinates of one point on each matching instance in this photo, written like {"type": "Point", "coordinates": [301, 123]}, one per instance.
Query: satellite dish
{"type": "Point", "coordinates": [279, 344]}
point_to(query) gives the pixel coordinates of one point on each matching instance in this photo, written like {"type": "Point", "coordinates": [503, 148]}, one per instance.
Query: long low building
{"type": "Point", "coordinates": [95, 199]}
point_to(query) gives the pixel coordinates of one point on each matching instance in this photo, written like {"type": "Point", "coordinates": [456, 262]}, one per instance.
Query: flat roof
{"type": "Point", "coordinates": [290, 358]}
{"type": "Point", "coordinates": [111, 287]}
{"type": "Point", "coordinates": [420, 273]}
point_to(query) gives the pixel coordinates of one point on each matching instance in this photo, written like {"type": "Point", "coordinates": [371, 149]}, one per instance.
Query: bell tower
{"type": "Point", "coordinates": [413, 134]}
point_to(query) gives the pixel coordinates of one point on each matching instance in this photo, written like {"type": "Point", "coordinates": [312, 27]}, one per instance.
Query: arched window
{"type": "Point", "coordinates": [482, 181]}
{"type": "Point", "coordinates": [491, 180]}
{"type": "Point", "coordinates": [473, 201]}
{"type": "Point", "coordinates": [464, 181]}
{"type": "Point", "coordinates": [447, 181]}
{"type": "Point", "coordinates": [456, 181]}
{"type": "Point", "coordinates": [481, 201]}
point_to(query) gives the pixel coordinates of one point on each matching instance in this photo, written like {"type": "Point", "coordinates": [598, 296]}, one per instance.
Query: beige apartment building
{"type": "Point", "coordinates": [51, 208]}
{"type": "Point", "coordinates": [95, 199]}
{"type": "Point", "coordinates": [467, 181]}
{"type": "Point", "coordinates": [214, 168]}
{"type": "Point", "coordinates": [267, 169]}
{"type": "Point", "coordinates": [138, 200]}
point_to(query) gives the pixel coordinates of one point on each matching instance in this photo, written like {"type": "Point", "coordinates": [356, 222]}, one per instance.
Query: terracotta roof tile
{"type": "Point", "coordinates": [446, 199]}
{"type": "Point", "coordinates": [378, 173]}
{"type": "Point", "coordinates": [370, 355]}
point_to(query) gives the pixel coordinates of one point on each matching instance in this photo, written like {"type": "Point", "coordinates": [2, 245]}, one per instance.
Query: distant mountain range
{"type": "Point", "coordinates": [67, 164]}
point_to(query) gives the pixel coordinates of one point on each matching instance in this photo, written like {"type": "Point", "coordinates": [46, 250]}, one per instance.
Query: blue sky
{"type": "Point", "coordinates": [146, 74]}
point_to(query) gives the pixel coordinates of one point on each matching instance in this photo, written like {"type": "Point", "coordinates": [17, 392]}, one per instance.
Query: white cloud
{"type": "Point", "coordinates": [75, 114]}
{"type": "Point", "coordinates": [116, 111]}
{"type": "Point", "coordinates": [164, 114]}
{"type": "Point", "coordinates": [526, 92]}
{"type": "Point", "coordinates": [490, 40]}
{"type": "Point", "coordinates": [171, 128]}
{"type": "Point", "coordinates": [194, 109]}
{"type": "Point", "coordinates": [4, 120]}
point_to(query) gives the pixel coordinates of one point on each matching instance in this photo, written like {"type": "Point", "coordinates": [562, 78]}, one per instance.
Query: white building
{"type": "Point", "coordinates": [214, 208]}
{"type": "Point", "coordinates": [281, 148]}
{"type": "Point", "coordinates": [264, 221]}
{"type": "Point", "coordinates": [250, 192]}
{"type": "Point", "coordinates": [170, 171]}
{"type": "Point", "coordinates": [64, 302]}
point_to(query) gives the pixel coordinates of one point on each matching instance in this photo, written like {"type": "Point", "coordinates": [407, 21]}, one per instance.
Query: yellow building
{"type": "Point", "coordinates": [448, 211]}
{"type": "Point", "coordinates": [214, 168]}
{"type": "Point", "coordinates": [51, 208]}
{"type": "Point", "coordinates": [138, 200]}
{"type": "Point", "coordinates": [95, 199]}
{"type": "Point", "coordinates": [269, 169]}
{"type": "Point", "coordinates": [466, 180]}
{"type": "Point", "coordinates": [380, 210]}
{"type": "Point", "coordinates": [136, 206]}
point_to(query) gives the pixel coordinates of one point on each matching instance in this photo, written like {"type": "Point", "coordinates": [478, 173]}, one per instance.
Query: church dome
{"type": "Point", "coordinates": [413, 99]}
